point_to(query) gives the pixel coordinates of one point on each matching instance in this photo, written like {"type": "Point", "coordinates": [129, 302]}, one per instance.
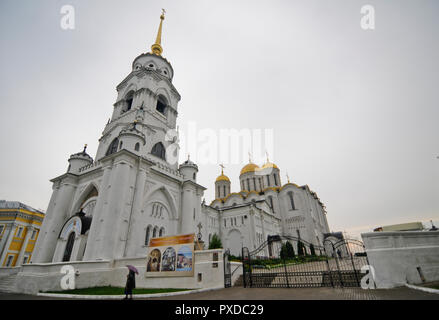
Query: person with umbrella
{"type": "Point", "coordinates": [131, 281]}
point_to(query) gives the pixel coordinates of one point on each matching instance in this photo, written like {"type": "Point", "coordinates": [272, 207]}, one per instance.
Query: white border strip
{"type": "Point", "coordinates": [429, 290]}
{"type": "Point", "coordinates": [120, 297]}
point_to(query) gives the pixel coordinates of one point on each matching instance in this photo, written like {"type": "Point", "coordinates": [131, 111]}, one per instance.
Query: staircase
{"type": "Point", "coordinates": [7, 283]}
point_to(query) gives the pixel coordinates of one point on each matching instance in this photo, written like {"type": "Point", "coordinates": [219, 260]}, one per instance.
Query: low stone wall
{"type": "Point", "coordinates": [33, 278]}
{"type": "Point", "coordinates": [403, 257]}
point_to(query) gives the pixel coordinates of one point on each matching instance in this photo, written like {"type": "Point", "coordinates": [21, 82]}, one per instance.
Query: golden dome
{"type": "Point", "coordinates": [222, 177]}
{"type": "Point", "coordinates": [251, 167]}
{"type": "Point", "coordinates": [269, 165]}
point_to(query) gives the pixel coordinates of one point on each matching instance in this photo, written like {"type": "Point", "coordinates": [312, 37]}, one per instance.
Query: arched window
{"type": "Point", "coordinates": [69, 247]}
{"type": "Point", "coordinates": [195, 176]}
{"type": "Point", "coordinates": [113, 147]}
{"type": "Point", "coordinates": [159, 151]}
{"type": "Point", "coordinates": [120, 145]}
{"type": "Point", "coordinates": [129, 100]}
{"type": "Point", "coordinates": [275, 180]}
{"type": "Point", "coordinates": [154, 233]}
{"type": "Point", "coordinates": [161, 104]}
{"type": "Point", "coordinates": [147, 235]}
{"type": "Point", "coordinates": [219, 192]}
{"type": "Point", "coordinates": [162, 232]}
{"type": "Point", "coordinates": [224, 191]}
{"type": "Point", "coordinates": [137, 146]}
{"type": "Point", "coordinates": [268, 181]}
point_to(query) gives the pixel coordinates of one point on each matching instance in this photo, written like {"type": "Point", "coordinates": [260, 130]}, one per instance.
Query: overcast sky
{"type": "Point", "coordinates": [354, 112]}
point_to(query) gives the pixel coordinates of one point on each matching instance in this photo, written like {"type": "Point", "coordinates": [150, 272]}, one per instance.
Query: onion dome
{"type": "Point", "coordinates": [251, 167]}
{"type": "Point", "coordinates": [222, 177]}
{"type": "Point", "coordinates": [269, 165]}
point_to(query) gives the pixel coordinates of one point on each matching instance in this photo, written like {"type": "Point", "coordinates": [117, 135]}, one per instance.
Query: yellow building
{"type": "Point", "coordinates": [19, 229]}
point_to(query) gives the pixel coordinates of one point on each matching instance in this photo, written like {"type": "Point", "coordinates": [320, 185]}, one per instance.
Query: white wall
{"type": "Point", "coordinates": [396, 256]}
{"type": "Point", "coordinates": [47, 276]}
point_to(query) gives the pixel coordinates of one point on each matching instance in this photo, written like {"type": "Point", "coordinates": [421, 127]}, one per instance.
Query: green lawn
{"type": "Point", "coordinates": [115, 291]}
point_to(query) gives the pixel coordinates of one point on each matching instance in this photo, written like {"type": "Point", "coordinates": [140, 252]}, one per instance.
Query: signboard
{"type": "Point", "coordinates": [171, 256]}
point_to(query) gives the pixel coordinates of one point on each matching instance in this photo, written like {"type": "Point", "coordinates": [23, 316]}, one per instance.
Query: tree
{"type": "Point", "coordinates": [300, 249]}
{"type": "Point", "coordinates": [215, 242]}
{"type": "Point", "coordinates": [290, 250]}
{"type": "Point", "coordinates": [287, 251]}
{"type": "Point", "coordinates": [311, 248]}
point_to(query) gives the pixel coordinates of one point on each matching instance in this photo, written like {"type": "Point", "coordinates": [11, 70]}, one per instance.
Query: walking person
{"type": "Point", "coordinates": [131, 282]}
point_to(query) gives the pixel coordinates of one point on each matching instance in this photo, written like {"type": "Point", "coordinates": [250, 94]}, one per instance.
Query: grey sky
{"type": "Point", "coordinates": [354, 112]}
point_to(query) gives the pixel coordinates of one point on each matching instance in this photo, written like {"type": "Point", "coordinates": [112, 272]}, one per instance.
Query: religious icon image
{"type": "Point", "coordinates": [154, 260]}
{"type": "Point", "coordinates": [169, 259]}
{"type": "Point", "coordinates": [184, 259]}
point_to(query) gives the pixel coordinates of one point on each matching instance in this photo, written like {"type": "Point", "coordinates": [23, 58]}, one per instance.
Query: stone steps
{"type": "Point", "coordinates": [7, 283]}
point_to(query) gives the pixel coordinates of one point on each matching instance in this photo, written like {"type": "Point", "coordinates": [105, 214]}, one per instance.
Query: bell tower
{"type": "Point", "coordinates": [147, 101]}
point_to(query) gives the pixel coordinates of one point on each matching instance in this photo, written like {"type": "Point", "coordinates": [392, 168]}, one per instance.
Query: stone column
{"type": "Point", "coordinates": [94, 237]}
{"type": "Point", "coordinates": [53, 225]}
{"type": "Point", "coordinates": [112, 210]}
{"type": "Point", "coordinates": [24, 245]}
{"type": "Point", "coordinates": [131, 237]}
{"type": "Point", "coordinates": [187, 212]}
{"type": "Point", "coordinates": [45, 225]}
{"type": "Point", "coordinates": [6, 240]}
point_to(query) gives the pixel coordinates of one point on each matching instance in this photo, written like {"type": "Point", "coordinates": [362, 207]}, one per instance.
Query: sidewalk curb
{"type": "Point", "coordinates": [120, 297]}
{"type": "Point", "coordinates": [429, 290]}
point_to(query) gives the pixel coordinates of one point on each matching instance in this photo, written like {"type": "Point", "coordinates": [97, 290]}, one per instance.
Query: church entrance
{"type": "Point", "coordinates": [290, 262]}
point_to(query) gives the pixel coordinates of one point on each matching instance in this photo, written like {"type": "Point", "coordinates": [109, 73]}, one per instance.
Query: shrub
{"type": "Point", "coordinates": [215, 242]}
{"type": "Point", "coordinates": [311, 248]}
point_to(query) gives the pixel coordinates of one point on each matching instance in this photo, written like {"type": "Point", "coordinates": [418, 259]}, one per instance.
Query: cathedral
{"type": "Point", "coordinates": [110, 206]}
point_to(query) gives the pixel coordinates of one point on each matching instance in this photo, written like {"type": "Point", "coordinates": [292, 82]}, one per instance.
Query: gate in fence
{"type": "Point", "coordinates": [290, 262]}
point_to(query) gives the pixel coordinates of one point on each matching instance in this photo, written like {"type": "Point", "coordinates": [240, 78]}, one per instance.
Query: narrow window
{"type": "Point", "coordinates": [1, 229]}
{"type": "Point", "coordinates": [9, 261]}
{"type": "Point", "coordinates": [161, 104]}
{"type": "Point", "coordinates": [34, 233]}
{"type": "Point", "coordinates": [224, 191]}
{"type": "Point", "coordinates": [290, 194]}
{"type": "Point", "coordinates": [120, 145]}
{"type": "Point", "coordinates": [248, 184]}
{"type": "Point", "coordinates": [275, 179]}
{"type": "Point", "coordinates": [268, 181]}
{"type": "Point", "coordinates": [194, 176]}
{"type": "Point", "coordinates": [219, 192]}
{"type": "Point", "coordinates": [20, 231]}
{"type": "Point", "coordinates": [69, 247]}
{"type": "Point", "coordinates": [137, 146]}
{"type": "Point", "coordinates": [148, 231]}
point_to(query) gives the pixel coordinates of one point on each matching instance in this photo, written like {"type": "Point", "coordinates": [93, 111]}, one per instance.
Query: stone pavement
{"type": "Point", "coordinates": [239, 293]}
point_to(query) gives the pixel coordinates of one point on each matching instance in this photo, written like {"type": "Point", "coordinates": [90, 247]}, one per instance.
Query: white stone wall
{"type": "Point", "coordinates": [46, 277]}
{"type": "Point", "coordinates": [402, 257]}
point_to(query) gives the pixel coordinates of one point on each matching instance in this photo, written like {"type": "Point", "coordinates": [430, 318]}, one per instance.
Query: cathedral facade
{"type": "Point", "coordinates": [110, 206]}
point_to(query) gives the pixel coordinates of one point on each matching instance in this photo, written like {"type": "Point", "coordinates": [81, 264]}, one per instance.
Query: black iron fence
{"type": "Point", "coordinates": [290, 262]}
